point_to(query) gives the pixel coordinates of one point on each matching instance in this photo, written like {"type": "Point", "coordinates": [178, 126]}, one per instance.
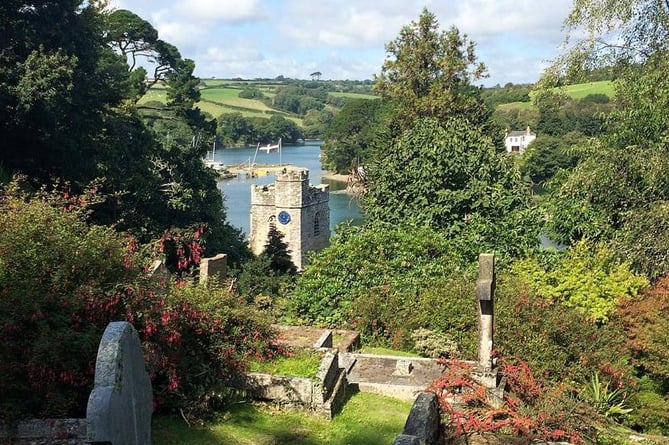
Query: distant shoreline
{"type": "Point", "coordinates": [336, 177]}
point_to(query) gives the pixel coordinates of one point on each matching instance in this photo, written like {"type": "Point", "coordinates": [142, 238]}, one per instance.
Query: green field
{"type": "Point", "coordinates": [219, 97]}
{"type": "Point", "coordinates": [365, 419]}
{"type": "Point", "coordinates": [579, 91]}
{"type": "Point", "coordinates": [354, 95]}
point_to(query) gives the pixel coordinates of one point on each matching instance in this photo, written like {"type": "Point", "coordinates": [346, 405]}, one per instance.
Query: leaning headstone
{"type": "Point", "coordinates": [121, 403]}
{"type": "Point", "coordinates": [214, 268]}
{"type": "Point", "coordinates": [424, 421]}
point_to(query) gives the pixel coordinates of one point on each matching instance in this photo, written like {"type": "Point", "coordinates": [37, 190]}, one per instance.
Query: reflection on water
{"type": "Point", "coordinates": [237, 191]}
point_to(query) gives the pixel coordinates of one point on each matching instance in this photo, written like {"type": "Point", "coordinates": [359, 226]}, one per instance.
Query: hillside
{"type": "Point", "coordinates": [576, 91]}
{"type": "Point", "coordinates": [219, 96]}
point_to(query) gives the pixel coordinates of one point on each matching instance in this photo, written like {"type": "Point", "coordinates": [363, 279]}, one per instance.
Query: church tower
{"type": "Point", "coordinates": [299, 211]}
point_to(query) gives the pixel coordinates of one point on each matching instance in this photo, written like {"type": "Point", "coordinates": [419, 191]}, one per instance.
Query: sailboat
{"type": "Point", "coordinates": [219, 167]}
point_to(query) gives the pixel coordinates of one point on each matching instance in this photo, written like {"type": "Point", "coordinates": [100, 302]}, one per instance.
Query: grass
{"type": "Point", "coordinates": [304, 363]}
{"type": "Point", "coordinates": [579, 91]}
{"type": "Point", "coordinates": [365, 419]}
{"type": "Point", "coordinates": [386, 351]}
{"type": "Point", "coordinates": [354, 95]}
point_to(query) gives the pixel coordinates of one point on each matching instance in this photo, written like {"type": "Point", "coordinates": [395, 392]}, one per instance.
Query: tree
{"type": "Point", "coordinates": [547, 155]}
{"type": "Point", "coordinates": [627, 31]}
{"type": "Point", "coordinates": [133, 37]}
{"type": "Point", "coordinates": [429, 73]}
{"type": "Point", "coordinates": [277, 251]}
{"type": "Point", "coordinates": [316, 75]}
{"type": "Point", "coordinates": [349, 139]}
{"type": "Point", "coordinates": [448, 176]}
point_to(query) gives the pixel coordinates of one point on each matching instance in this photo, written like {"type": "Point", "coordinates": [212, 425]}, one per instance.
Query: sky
{"type": "Point", "coordinates": [345, 39]}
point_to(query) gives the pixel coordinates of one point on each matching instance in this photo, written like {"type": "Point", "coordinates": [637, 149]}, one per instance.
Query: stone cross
{"type": "Point", "coordinates": [121, 403]}
{"type": "Point", "coordinates": [485, 293]}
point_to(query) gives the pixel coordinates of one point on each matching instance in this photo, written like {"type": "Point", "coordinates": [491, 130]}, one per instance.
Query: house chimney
{"type": "Point", "coordinates": [528, 130]}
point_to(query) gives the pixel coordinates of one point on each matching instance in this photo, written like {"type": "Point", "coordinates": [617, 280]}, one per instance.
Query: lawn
{"type": "Point", "coordinates": [365, 419]}
{"type": "Point", "coordinates": [303, 363]}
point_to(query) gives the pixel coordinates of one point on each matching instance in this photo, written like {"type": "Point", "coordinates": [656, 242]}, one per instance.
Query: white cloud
{"type": "Point", "coordinates": [216, 10]}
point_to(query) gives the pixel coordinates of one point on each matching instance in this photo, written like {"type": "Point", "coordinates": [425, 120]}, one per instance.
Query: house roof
{"type": "Point", "coordinates": [520, 133]}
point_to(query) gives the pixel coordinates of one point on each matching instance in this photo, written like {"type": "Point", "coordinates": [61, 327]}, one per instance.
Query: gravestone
{"type": "Point", "coordinates": [121, 403]}
{"type": "Point", "coordinates": [215, 268]}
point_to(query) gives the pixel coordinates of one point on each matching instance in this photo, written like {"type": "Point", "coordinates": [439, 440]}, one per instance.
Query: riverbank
{"type": "Point", "coordinates": [329, 176]}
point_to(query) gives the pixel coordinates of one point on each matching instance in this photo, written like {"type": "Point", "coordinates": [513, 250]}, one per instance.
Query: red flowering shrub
{"type": "Point", "coordinates": [62, 281]}
{"type": "Point", "coordinates": [529, 408]}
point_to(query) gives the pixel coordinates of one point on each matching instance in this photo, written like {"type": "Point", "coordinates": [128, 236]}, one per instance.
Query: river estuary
{"type": "Point", "coordinates": [237, 191]}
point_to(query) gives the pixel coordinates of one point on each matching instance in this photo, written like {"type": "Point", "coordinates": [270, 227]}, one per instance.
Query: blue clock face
{"type": "Point", "coordinates": [284, 217]}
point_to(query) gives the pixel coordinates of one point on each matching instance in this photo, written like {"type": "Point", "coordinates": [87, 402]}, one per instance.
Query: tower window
{"type": "Point", "coordinates": [317, 224]}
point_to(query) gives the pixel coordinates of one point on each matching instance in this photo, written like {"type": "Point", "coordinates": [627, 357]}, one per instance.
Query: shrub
{"type": "Point", "coordinates": [62, 281]}
{"type": "Point", "coordinates": [529, 408]}
{"type": "Point", "coordinates": [433, 344]}
{"type": "Point", "coordinates": [587, 278]}
{"type": "Point", "coordinates": [557, 342]}
{"type": "Point", "coordinates": [386, 281]}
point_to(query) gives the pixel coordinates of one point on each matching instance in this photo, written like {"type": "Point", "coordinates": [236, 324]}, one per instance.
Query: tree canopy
{"type": "Point", "coordinates": [430, 73]}
{"type": "Point", "coordinates": [67, 111]}
{"type": "Point", "coordinates": [447, 175]}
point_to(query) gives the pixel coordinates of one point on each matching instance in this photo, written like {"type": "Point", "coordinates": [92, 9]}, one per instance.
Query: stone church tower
{"type": "Point", "coordinates": [300, 211]}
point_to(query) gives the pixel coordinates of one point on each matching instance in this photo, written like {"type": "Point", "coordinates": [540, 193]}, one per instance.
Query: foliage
{"type": "Point", "coordinates": [557, 342]}
{"type": "Point", "coordinates": [586, 277]}
{"type": "Point", "coordinates": [610, 196]}
{"type": "Point", "coordinates": [62, 281]}
{"type": "Point", "coordinates": [51, 264]}
{"type": "Point", "coordinates": [508, 94]}
{"type": "Point", "coordinates": [251, 93]}
{"type": "Point", "coordinates": [640, 27]}
{"type": "Point", "coordinates": [349, 139]}
{"type": "Point", "coordinates": [68, 111]}
{"type": "Point", "coordinates": [432, 344]}
{"type": "Point", "coordinates": [447, 175]}
{"type": "Point", "coordinates": [385, 281]}
{"type": "Point", "coordinates": [650, 407]}
{"type": "Point", "coordinates": [429, 73]}
{"type": "Point", "coordinates": [609, 402]}
{"type": "Point", "coordinates": [267, 279]}
{"type": "Point", "coordinates": [529, 409]}
{"type": "Point", "coordinates": [277, 251]}
{"type": "Point", "coordinates": [546, 155]}
{"type": "Point", "coordinates": [644, 319]}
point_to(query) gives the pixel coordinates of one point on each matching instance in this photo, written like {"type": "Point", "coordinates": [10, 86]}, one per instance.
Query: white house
{"type": "Point", "coordinates": [517, 141]}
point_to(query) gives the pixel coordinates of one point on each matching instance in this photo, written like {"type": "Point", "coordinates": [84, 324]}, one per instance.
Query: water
{"type": "Point", "coordinates": [237, 191]}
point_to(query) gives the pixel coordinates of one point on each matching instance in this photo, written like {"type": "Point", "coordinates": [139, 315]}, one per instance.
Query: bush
{"type": "Point", "coordinates": [386, 281]}
{"type": "Point", "coordinates": [529, 409]}
{"type": "Point", "coordinates": [557, 342]}
{"type": "Point", "coordinates": [62, 281]}
{"type": "Point", "coordinates": [586, 277]}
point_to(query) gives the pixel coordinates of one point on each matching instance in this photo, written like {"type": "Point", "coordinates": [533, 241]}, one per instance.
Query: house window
{"type": "Point", "coordinates": [272, 222]}
{"type": "Point", "coordinates": [317, 224]}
